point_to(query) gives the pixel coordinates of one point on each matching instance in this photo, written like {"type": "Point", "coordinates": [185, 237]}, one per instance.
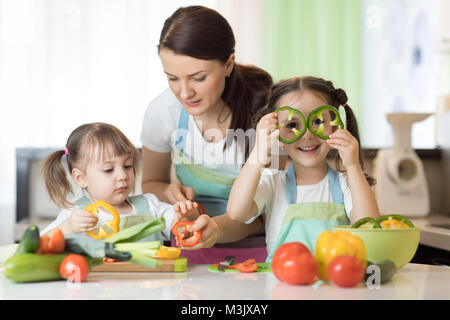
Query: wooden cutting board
{"type": "Point", "coordinates": [167, 265]}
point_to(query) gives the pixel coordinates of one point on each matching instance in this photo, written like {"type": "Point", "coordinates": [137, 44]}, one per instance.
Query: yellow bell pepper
{"type": "Point", "coordinates": [168, 252]}
{"type": "Point", "coordinates": [332, 244]}
{"type": "Point", "coordinates": [114, 225]}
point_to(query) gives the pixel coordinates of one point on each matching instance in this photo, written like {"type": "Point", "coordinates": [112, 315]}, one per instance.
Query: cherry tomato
{"type": "Point", "coordinates": [286, 249]}
{"type": "Point", "coordinates": [297, 269]}
{"type": "Point", "coordinates": [346, 271]}
{"type": "Point", "coordinates": [74, 268]}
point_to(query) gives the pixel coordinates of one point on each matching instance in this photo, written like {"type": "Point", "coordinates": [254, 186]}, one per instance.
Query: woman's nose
{"type": "Point", "coordinates": [186, 91]}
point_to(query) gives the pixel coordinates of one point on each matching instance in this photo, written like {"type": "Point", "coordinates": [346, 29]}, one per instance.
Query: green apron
{"type": "Point", "coordinates": [304, 222]}
{"type": "Point", "coordinates": [141, 204]}
{"type": "Point", "coordinates": [212, 190]}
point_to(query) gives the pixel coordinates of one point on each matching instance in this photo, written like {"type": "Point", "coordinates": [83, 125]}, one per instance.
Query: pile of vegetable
{"type": "Point", "coordinates": [340, 257]}
{"type": "Point", "coordinates": [393, 221]}
{"type": "Point", "coordinates": [72, 256]}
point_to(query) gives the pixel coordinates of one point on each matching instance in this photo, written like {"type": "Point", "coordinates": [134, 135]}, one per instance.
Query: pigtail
{"type": "Point", "coordinates": [55, 178]}
{"type": "Point", "coordinates": [352, 127]}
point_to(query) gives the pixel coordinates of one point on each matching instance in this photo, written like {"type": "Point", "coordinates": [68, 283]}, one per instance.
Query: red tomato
{"type": "Point", "coordinates": [286, 249]}
{"type": "Point", "coordinates": [346, 271]}
{"type": "Point", "coordinates": [74, 268]}
{"type": "Point", "coordinates": [297, 269]}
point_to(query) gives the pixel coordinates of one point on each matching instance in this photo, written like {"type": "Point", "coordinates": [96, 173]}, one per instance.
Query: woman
{"type": "Point", "coordinates": [196, 124]}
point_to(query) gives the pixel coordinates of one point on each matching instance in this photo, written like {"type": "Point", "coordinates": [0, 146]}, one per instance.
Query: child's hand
{"type": "Point", "coordinates": [266, 134]}
{"type": "Point", "coordinates": [185, 210]}
{"type": "Point", "coordinates": [347, 146]}
{"type": "Point", "coordinates": [210, 232]}
{"type": "Point", "coordinates": [81, 221]}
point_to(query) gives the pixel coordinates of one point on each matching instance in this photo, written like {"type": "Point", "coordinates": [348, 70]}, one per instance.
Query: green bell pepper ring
{"type": "Point", "coordinates": [366, 223]}
{"type": "Point", "coordinates": [319, 114]}
{"type": "Point", "coordinates": [298, 134]}
{"type": "Point", "coordinates": [397, 217]}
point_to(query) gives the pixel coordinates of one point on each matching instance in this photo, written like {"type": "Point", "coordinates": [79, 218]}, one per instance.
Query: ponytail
{"type": "Point", "coordinates": [352, 127]}
{"type": "Point", "coordinates": [55, 178]}
{"type": "Point", "coordinates": [246, 93]}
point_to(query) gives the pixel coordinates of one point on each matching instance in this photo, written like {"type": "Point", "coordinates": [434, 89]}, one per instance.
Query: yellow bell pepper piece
{"type": "Point", "coordinates": [168, 252]}
{"type": "Point", "coordinates": [393, 224]}
{"type": "Point", "coordinates": [332, 244]}
{"type": "Point", "coordinates": [114, 224]}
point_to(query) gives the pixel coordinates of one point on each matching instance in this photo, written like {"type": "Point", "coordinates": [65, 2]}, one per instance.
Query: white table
{"type": "Point", "coordinates": [414, 281]}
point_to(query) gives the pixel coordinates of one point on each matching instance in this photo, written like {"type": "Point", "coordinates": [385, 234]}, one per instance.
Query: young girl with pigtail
{"type": "Point", "coordinates": [307, 117]}
{"type": "Point", "coordinates": [103, 163]}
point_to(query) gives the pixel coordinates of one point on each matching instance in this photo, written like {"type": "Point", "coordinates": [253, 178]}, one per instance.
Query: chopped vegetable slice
{"type": "Point", "coordinates": [186, 237]}
{"type": "Point", "coordinates": [395, 221]}
{"type": "Point", "coordinates": [366, 223]}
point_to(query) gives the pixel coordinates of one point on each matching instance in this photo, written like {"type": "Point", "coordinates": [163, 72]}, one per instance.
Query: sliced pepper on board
{"type": "Point", "coordinates": [186, 237]}
{"type": "Point", "coordinates": [331, 244]}
{"type": "Point", "coordinates": [247, 266]}
{"type": "Point", "coordinates": [395, 221]}
{"type": "Point", "coordinates": [168, 252]}
{"type": "Point", "coordinates": [366, 223]}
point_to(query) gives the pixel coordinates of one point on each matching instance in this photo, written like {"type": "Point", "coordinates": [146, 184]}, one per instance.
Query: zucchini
{"type": "Point", "coordinates": [32, 267]}
{"type": "Point", "coordinates": [29, 241]}
{"type": "Point", "coordinates": [387, 269]}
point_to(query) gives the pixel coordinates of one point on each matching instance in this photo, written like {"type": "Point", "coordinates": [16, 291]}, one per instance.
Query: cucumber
{"type": "Point", "coordinates": [387, 270]}
{"type": "Point", "coordinates": [32, 267]}
{"type": "Point", "coordinates": [29, 241]}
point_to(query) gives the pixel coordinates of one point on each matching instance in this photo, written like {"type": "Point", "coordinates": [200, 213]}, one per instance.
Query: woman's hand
{"type": "Point", "coordinates": [347, 146]}
{"type": "Point", "coordinates": [266, 135]}
{"type": "Point", "coordinates": [176, 192]}
{"type": "Point", "coordinates": [185, 210]}
{"type": "Point", "coordinates": [80, 221]}
{"type": "Point", "coordinates": [210, 232]}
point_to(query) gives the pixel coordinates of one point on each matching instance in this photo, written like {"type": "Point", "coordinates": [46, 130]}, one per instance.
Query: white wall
{"type": "Point", "coordinates": [399, 68]}
{"type": "Point", "coordinates": [68, 62]}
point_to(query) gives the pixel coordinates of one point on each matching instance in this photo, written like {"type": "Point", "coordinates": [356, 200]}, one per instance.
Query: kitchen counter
{"type": "Point", "coordinates": [434, 231]}
{"type": "Point", "coordinates": [414, 281]}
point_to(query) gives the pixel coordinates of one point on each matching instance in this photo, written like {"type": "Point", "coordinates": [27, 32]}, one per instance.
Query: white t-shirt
{"type": "Point", "coordinates": [157, 208]}
{"type": "Point", "coordinates": [159, 133]}
{"type": "Point", "coordinates": [271, 200]}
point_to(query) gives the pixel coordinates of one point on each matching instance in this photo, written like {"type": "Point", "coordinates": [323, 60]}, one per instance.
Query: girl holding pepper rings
{"type": "Point", "coordinates": [309, 197]}
{"type": "Point", "coordinates": [189, 125]}
{"type": "Point", "coordinates": [103, 163]}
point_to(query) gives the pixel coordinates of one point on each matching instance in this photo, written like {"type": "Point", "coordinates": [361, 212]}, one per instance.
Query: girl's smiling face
{"type": "Point", "coordinates": [309, 151]}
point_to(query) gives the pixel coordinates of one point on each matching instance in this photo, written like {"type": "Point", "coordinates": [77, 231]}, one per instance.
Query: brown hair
{"type": "Point", "coordinates": [326, 91]}
{"type": "Point", "coordinates": [88, 142]}
{"type": "Point", "coordinates": [202, 33]}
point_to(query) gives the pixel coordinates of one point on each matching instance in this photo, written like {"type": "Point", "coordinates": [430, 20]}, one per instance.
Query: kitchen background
{"type": "Point", "coordinates": [67, 62]}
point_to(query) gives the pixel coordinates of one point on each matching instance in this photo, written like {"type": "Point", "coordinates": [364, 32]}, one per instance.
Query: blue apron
{"type": "Point", "coordinates": [304, 222]}
{"type": "Point", "coordinates": [212, 190]}
{"type": "Point", "coordinates": [141, 204]}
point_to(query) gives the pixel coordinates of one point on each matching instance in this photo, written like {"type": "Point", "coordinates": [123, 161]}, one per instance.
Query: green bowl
{"type": "Point", "coordinates": [397, 245]}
